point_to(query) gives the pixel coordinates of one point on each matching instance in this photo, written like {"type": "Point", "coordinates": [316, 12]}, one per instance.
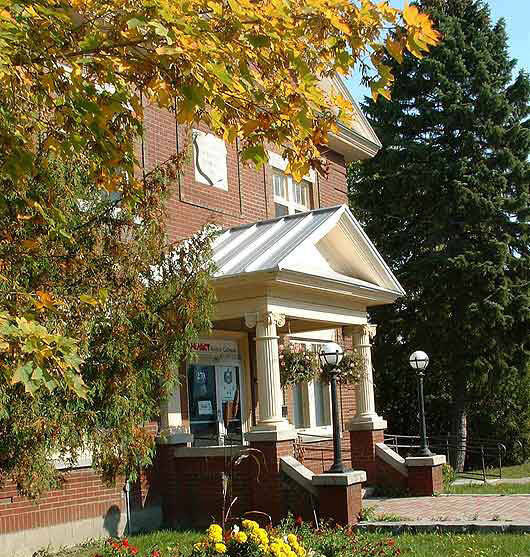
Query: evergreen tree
{"type": "Point", "coordinates": [446, 201]}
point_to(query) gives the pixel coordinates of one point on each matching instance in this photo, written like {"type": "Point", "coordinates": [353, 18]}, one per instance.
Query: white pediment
{"type": "Point", "coordinates": [328, 243]}
{"type": "Point", "coordinates": [341, 250]}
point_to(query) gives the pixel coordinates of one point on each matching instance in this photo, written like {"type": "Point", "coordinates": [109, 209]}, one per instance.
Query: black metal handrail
{"type": "Point", "coordinates": [490, 451]}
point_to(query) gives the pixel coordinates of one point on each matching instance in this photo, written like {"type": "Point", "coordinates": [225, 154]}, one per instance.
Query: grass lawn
{"type": "Point", "coordinates": [412, 545]}
{"type": "Point", "coordinates": [519, 471]}
{"type": "Point", "coordinates": [144, 542]}
{"type": "Point", "coordinates": [494, 489]}
{"type": "Point", "coordinates": [463, 545]}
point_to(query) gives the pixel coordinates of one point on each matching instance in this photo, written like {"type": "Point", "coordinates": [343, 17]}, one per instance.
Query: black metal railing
{"type": "Point", "coordinates": [483, 457]}
{"type": "Point", "coordinates": [309, 449]}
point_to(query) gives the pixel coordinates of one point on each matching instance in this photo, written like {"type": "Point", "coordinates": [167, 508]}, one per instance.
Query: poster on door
{"type": "Point", "coordinates": [229, 383]}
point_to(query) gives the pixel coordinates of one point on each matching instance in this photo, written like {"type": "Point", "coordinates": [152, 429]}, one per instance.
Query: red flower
{"type": "Point", "coordinates": [125, 542]}
{"type": "Point", "coordinates": [155, 553]}
{"type": "Point", "coordinates": [299, 521]}
{"type": "Point", "coordinates": [133, 550]}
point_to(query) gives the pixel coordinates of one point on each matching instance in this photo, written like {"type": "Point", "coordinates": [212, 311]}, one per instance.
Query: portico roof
{"type": "Point", "coordinates": [326, 245]}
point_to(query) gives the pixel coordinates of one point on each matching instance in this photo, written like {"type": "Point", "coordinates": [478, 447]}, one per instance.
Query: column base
{"type": "Point", "coordinates": [258, 434]}
{"type": "Point", "coordinates": [367, 423]}
{"type": "Point", "coordinates": [174, 437]}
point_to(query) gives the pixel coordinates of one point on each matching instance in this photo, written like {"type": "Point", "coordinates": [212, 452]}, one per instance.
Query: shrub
{"type": "Point", "coordinates": [336, 541]}
{"type": "Point", "coordinates": [448, 475]}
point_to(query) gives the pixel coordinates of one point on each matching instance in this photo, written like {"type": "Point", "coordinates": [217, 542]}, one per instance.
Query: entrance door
{"type": "Point", "coordinates": [214, 397]}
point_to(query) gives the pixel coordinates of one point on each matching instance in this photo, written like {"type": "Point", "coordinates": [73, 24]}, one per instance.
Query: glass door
{"type": "Point", "coordinates": [214, 401]}
{"type": "Point", "coordinates": [230, 404]}
{"type": "Point", "coordinates": [202, 403]}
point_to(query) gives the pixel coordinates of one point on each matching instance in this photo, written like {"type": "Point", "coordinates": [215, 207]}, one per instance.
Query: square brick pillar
{"type": "Point", "coordinates": [166, 473]}
{"type": "Point", "coordinates": [425, 474]}
{"type": "Point", "coordinates": [362, 447]}
{"type": "Point", "coordinates": [267, 493]}
{"type": "Point", "coordinates": [339, 496]}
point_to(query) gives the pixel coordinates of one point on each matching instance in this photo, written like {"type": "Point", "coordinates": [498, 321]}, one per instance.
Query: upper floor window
{"type": "Point", "coordinates": [290, 197]}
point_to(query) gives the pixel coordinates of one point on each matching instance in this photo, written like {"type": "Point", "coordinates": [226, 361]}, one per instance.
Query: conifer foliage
{"type": "Point", "coordinates": [447, 202]}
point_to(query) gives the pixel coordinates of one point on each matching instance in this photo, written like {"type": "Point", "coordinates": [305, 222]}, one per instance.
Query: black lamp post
{"type": "Point", "coordinates": [330, 357]}
{"type": "Point", "coordinates": [419, 362]}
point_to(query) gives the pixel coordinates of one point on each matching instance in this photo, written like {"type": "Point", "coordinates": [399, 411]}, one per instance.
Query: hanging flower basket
{"type": "Point", "coordinates": [297, 364]}
{"type": "Point", "coordinates": [349, 369]}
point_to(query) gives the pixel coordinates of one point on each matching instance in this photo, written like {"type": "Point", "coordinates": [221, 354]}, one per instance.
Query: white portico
{"type": "Point", "coordinates": [296, 274]}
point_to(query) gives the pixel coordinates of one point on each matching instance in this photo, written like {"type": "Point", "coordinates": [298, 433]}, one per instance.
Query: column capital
{"type": "Point", "coordinates": [266, 317]}
{"type": "Point", "coordinates": [365, 329]}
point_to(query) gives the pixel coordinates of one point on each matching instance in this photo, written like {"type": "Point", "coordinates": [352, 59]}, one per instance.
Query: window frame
{"type": "Point", "coordinates": [289, 199]}
{"type": "Point", "coordinates": [308, 400]}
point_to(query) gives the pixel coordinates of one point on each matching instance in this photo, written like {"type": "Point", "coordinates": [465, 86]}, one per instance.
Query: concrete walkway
{"type": "Point", "coordinates": [465, 508]}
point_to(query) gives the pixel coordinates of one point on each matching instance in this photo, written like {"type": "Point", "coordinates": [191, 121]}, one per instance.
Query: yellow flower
{"type": "Point", "coordinates": [275, 548]}
{"type": "Point", "coordinates": [292, 539]}
{"type": "Point", "coordinates": [220, 548]}
{"type": "Point", "coordinates": [215, 533]}
{"type": "Point", "coordinates": [262, 534]}
{"type": "Point", "coordinates": [292, 554]}
{"type": "Point", "coordinates": [240, 537]}
{"type": "Point", "coordinates": [301, 551]}
{"type": "Point", "coordinates": [250, 525]}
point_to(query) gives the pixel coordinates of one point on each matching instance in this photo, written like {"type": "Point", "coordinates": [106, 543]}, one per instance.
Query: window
{"type": "Point", "coordinates": [290, 197]}
{"type": "Point", "coordinates": [311, 401]}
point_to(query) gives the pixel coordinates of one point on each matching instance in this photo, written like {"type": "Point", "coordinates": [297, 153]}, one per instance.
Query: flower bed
{"type": "Point", "coordinates": [290, 539]}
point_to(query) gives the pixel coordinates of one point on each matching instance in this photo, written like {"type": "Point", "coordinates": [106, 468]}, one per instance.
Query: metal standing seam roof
{"type": "Point", "coordinates": [261, 246]}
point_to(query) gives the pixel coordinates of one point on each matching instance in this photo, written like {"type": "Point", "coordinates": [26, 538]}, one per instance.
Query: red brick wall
{"type": "Point", "coordinates": [83, 495]}
{"type": "Point", "coordinates": [249, 196]}
{"type": "Point", "coordinates": [363, 451]}
{"type": "Point", "coordinates": [388, 476]}
{"type": "Point", "coordinates": [425, 480]}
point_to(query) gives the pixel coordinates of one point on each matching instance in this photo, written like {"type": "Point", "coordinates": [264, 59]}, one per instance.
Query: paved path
{"type": "Point", "coordinates": [514, 508]}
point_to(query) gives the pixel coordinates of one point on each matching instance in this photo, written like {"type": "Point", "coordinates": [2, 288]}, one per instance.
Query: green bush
{"type": "Point", "coordinates": [337, 541]}
{"type": "Point", "coordinates": [448, 476]}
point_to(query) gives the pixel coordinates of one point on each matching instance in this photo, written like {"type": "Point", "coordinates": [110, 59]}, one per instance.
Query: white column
{"type": "Point", "coordinates": [268, 371]}
{"type": "Point", "coordinates": [170, 412]}
{"type": "Point", "coordinates": [171, 429]}
{"type": "Point", "coordinates": [366, 417]}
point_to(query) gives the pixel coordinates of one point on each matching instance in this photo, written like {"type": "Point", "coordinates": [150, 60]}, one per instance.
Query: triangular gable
{"type": "Point", "coordinates": [359, 123]}
{"type": "Point", "coordinates": [341, 250]}
{"type": "Point", "coordinates": [328, 242]}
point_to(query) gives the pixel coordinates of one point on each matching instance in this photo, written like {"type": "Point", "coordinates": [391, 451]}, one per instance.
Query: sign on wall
{"type": "Point", "coordinates": [209, 160]}
{"type": "Point", "coordinates": [220, 349]}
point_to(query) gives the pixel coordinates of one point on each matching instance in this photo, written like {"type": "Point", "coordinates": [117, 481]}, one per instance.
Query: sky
{"type": "Point", "coordinates": [517, 16]}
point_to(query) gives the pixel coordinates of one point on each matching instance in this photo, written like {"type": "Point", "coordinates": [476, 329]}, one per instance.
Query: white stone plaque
{"type": "Point", "coordinates": [209, 160]}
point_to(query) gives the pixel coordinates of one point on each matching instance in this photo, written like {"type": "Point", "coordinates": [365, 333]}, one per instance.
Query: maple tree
{"type": "Point", "coordinates": [87, 334]}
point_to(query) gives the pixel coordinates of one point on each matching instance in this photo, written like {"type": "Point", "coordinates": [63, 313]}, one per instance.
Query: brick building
{"type": "Point", "coordinates": [292, 262]}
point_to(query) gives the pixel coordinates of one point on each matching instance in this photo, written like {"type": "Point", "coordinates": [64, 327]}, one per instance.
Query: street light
{"type": "Point", "coordinates": [330, 357]}
{"type": "Point", "coordinates": [419, 361]}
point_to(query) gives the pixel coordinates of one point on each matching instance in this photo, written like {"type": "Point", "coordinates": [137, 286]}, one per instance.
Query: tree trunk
{"type": "Point", "coordinates": [458, 454]}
